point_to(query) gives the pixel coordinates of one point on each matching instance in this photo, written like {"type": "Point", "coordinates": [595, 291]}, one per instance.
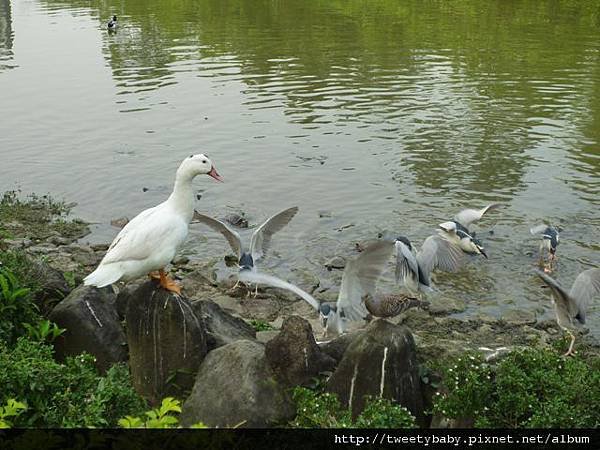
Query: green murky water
{"type": "Point", "coordinates": [379, 114]}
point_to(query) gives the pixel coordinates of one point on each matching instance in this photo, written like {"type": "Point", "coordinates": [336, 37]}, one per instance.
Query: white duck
{"type": "Point", "coordinates": [150, 240]}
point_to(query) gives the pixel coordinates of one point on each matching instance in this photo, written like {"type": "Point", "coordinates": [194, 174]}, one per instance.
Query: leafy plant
{"type": "Point", "coordinates": [12, 409]}
{"type": "Point", "coordinates": [16, 306]}
{"type": "Point", "coordinates": [69, 394]}
{"type": "Point", "coordinates": [10, 290]}
{"type": "Point", "coordinates": [261, 325]}
{"type": "Point", "coordinates": [160, 417]}
{"type": "Point", "coordinates": [383, 413]}
{"type": "Point", "coordinates": [323, 410]}
{"type": "Point", "coordinates": [43, 330]}
{"type": "Point", "coordinates": [70, 279]}
{"type": "Point", "coordinates": [319, 410]}
{"type": "Point", "coordinates": [527, 388]}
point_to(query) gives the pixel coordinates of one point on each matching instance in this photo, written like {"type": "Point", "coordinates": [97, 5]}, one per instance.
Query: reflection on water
{"type": "Point", "coordinates": [6, 36]}
{"type": "Point", "coordinates": [384, 114]}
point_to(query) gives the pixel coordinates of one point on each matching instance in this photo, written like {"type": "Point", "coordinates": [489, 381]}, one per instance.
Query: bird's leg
{"type": "Point", "coordinates": [570, 352]}
{"type": "Point", "coordinates": [168, 283]}
{"type": "Point", "coordinates": [256, 291]}
{"type": "Point", "coordinates": [155, 275]}
{"type": "Point", "coordinates": [235, 286]}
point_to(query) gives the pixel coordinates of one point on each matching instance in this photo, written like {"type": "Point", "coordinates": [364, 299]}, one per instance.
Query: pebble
{"type": "Point", "coordinates": [337, 262]}
{"type": "Point", "coordinates": [22, 242]}
{"type": "Point", "coordinates": [59, 240]}
{"type": "Point", "coordinates": [120, 222]}
{"type": "Point", "coordinates": [181, 261]}
{"type": "Point", "coordinates": [519, 317]}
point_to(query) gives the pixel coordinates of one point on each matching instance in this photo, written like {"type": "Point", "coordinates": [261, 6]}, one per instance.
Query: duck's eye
{"type": "Point", "coordinates": [203, 161]}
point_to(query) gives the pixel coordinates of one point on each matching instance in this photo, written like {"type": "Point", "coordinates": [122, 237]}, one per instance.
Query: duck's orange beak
{"type": "Point", "coordinates": [213, 173]}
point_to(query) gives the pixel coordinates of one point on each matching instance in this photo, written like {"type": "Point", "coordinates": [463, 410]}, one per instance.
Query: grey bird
{"type": "Point", "coordinates": [458, 228]}
{"type": "Point", "coordinates": [550, 238]}
{"type": "Point", "coordinates": [437, 252]}
{"type": "Point", "coordinates": [358, 280]}
{"type": "Point", "coordinates": [571, 306]}
{"type": "Point", "coordinates": [259, 243]}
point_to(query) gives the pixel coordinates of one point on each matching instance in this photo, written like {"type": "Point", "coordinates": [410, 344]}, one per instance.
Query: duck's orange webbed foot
{"type": "Point", "coordinates": [168, 283]}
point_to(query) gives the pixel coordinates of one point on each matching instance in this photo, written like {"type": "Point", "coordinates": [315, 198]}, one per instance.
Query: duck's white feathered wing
{"type": "Point", "coordinates": [146, 243]}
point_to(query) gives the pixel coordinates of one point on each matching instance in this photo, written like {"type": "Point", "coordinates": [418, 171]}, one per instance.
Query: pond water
{"type": "Point", "coordinates": [369, 115]}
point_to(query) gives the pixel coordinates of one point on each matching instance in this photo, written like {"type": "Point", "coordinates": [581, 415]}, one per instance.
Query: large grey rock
{"type": "Point", "coordinates": [167, 342]}
{"type": "Point", "coordinates": [92, 325]}
{"type": "Point", "coordinates": [222, 328]}
{"type": "Point", "coordinates": [235, 386]}
{"type": "Point", "coordinates": [381, 363]}
{"type": "Point", "coordinates": [294, 355]}
{"type": "Point", "coordinates": [337, 347]}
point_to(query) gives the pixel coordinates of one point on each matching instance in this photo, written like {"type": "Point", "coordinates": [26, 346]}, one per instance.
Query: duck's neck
{"type": "Point", "coordinates": [182, 197]}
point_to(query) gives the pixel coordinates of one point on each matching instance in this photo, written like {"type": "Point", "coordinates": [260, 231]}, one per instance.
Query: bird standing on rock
{"type": "Point", "coordinates": [150, 240]}
{"type": "Point", "coordinates": [572, 306]}
{"type": "Point", "coordinates": [390, 305]}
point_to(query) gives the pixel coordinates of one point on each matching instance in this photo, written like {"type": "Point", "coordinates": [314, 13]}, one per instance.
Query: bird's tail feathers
{"type": "Point", "coordinates": [103, 276]}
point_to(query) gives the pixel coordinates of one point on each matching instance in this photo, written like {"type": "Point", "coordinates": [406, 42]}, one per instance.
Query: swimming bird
{"type": "Point", "coordinates": [572, 306]}
{"type": "Point", "coordinates": [549, 243]}
{"type": "Point", "coordinates": [112, 24]}
{"type": "Point", "coordinates": [437, 252]}
{"type": "Point", "coordinates": [150, 240]}
{"type": "Point", "coordinates": [259, 243]}
{"type": "Point", "coordinates": [458, 228]}
{"type": "Point", "coordinates": [358, 280]}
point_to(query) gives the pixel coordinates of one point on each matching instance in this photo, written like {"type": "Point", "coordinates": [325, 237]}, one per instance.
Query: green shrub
{"type": "Point", "coordinates": [383, 413]}
{"type": "Point", "coordinates": [323, 410]}
{"type": "Point", "coordinates": [527, 388]}
{"type": "Point", "coordinates": [319, 410]}
{"type": "Point", "coordinates": [16, 306]}
{"type": "Point", "coordinates": [72, 394]}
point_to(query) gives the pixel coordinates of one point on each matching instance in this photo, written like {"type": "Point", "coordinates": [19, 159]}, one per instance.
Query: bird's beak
{"type": "Point", "coordinates": [213, 173]}
{"type": "Point", "coordinates": [482, 251]}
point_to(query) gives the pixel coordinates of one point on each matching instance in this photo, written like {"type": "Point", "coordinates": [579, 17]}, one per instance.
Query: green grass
{"type": "Point", "coordinates": [261, 325]}
{"type": "Point", "coordinates": [37, 217]}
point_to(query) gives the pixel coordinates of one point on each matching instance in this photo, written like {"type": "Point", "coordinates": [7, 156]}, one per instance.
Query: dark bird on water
{"type": "Point", "coordinates": [112, 24]}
